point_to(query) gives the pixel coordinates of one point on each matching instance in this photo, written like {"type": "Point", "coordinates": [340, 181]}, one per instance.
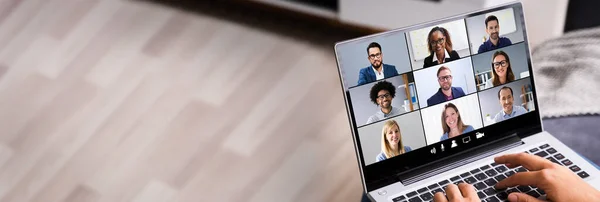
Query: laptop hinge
{"type": "Point", "coordinates": [460, 159]}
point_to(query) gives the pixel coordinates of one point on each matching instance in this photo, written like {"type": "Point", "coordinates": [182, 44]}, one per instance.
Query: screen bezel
{"type": "Point", "coordinates": [387, 171]}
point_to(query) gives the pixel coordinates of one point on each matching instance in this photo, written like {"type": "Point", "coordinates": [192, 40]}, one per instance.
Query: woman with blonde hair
{"type": "Point", "coordinates": [452, 123]}
{"type": "Point", "coordinates": [391, 141]}
{"type": "Point", "coordinates": [501, 70]}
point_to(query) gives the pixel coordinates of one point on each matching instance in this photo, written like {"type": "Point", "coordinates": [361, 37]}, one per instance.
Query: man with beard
{"type": "Point", "coordinates": [446, 91]}
{"type": "Point", "coordinates": [382, 94]}
{"type": "Point", "coordinates": [377, 70]}
{"type": "Point", "coordinates": [505, 95]}
{"type": "Point", "coordinates": [495, 41]}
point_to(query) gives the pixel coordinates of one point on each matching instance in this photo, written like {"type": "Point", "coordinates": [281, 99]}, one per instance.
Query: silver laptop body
{"type": "Point", "coordinates": [405, 105]}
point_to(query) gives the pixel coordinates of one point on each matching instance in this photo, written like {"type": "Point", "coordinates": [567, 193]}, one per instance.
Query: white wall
{"type": "Point", "coordinates": [468, 107]}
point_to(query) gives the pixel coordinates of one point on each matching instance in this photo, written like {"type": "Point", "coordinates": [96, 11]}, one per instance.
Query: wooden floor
{"type": "Point", "coordinates": [110, 101]}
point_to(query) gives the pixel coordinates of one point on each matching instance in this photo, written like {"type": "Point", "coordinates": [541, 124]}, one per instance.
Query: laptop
{"type": "Point", "coordinates": [434, 103]}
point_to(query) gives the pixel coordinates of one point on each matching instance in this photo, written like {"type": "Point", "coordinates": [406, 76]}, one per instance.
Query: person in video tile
{"type": "Point", "coordinates": [377, 70]}
{"type": "Point", "coordinates": [439, 45]}
{"type": "Point", "coordinates": [446, 91]}
{"type": "Point", "coordinates": [492, 27]}
{"type": "Point", "coordinates": [382, 94]}
{"type": "Point", "coordinates": [505, 95]}
{"type": "Point", "coordinates": [391, 141]}
{"type": "Point", "coordinates": [501, 70]}
{"type": "Point", "coordinates": [452, 124]}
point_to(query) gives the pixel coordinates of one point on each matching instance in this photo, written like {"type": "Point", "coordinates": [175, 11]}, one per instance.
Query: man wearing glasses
{"type": "Point", "coordinates": [377, 70]}
{"type": "Point", "coordinates": [446, 91]}
{"type": "Point", "coordinates": [492, 28]}
{"type": "Point", "coordinates": [382, 94]}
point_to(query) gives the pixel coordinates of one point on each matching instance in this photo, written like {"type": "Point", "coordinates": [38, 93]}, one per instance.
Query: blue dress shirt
{"type": "Point", "coordinates": [488, 45]}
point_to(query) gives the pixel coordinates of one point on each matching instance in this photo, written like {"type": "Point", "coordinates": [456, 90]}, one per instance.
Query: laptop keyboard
{"type": "Point", "coordinates": [485, 177]}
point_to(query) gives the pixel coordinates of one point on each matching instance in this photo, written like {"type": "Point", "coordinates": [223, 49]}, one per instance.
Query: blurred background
{"type": "Point", "coordinates": [167, 100]}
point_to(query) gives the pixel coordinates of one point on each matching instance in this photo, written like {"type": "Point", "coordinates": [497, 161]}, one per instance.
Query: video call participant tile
{"type": "Point", "coordinates": [494, 30]}
{"type": "Point", "coordinates": [438, 44]}
{"type": "Point", "coordinates": [390, 138]}
{"type": "Point", "coordinates": [506, 101]}
{"type": "Point", "coordinates": [451, 119]}
{"type": "Point", "coordinates": [501, 66]}
{"type": "Point", "coordinates": [383, 99]}
{"type": "Point", "coordinates": [366, 61]}
{"type": "Point", "coordinates": [445, 82]}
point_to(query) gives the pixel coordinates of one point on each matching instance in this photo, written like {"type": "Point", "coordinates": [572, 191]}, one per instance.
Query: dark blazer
{"type": "Point", "coordinates": [428, 61]}
{"type": "Point", "coordinates": [439, 97]}
{"type": "Point", "coordinates": [366, 75]}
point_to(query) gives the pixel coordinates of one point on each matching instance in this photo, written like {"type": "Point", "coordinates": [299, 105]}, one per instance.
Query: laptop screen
{"type": "Point", "coordinates": [427, 92]}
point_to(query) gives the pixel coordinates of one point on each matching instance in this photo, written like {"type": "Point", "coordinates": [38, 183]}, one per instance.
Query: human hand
{"type": "Point", "coordinates": [559, 183]}
{"type": "Point", "coordinates": [462, 193]}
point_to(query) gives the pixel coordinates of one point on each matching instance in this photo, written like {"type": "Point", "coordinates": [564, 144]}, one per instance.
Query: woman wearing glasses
{"type": "Point", "coordinates": [452, 123]}
{"type": "Point", "coordinates": [439, 45]}
{"type": "Point", "coordinates": [391, 141]}
{"type": "Point", "coordinates": [501, 70]}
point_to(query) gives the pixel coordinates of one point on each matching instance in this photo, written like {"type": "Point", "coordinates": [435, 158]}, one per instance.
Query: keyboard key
{"type": "Point", "coordinates": [491, 173]}
{"type": "Point", "coordinates": [551, 150]}
{"type": "Point", "coordinates": [575, 168]}
{"type": "Point", "coordinates": [502, 196]}
{"type": "Point", "coordinates": [533, 150]}
{"type": "Point", "coordinates": [422, 190]}
{"type": "Point", "coordinates": [501, 169]}
{"type": "Point", "coordinates": [544, 146]}
{"type": "Point", "coordinates": [480, 186]}
{"type": "Point", "coordinates": [475, 171]}
{"type": "Point", "coordinates": [443, 183]}
{"type": "Point", "coordinates": [427, 196]}
{"type": "Point", "coordinates": [490, 191]}
{"type": "Point", "coordinates": [553, 160]}
{"type": "Point", "coordinates": [458, 182]}
{"type": "Point", "coordinates": [521, 169]}
{"type": "Point", "coordinates": [464, 175]}
{"type": "Point", "coordinates": [510, 173]}
{"type": "Point", "coordinates": [542, 154]}
{"type": "Point", "coordinates": [494, 164]}
{"type": "Point", "coordinates": [411, 194]}
{"type": "Point", "coordinates": [485, 167]}
{"type": "Point", "coordinates": [455, 178]}
{"type": "Point", "coordinates": [567, 162]}
{"type": "Point", "coordinates": [524, 189]}
{"type": "Point", "coordinates": [433, 186]}
{"type": "Point", "coordinates": [533, 193]}
{"type": "Point", "coordinates": [583, 174]}
{"type": "Point", "coordinates": [470, 180]}
{"type": "Point", "coordinates": [559, 156]}
{"type": "Point", "coordinates": [490, 182]}
{"type": "Point", "coordinates": [436, 191]}
{"type": "Point", "coordinates": [481, 177]}
{"type": "Point", "coordinates": [500, 177]}
{"type": "Point", "coordinates": [512, 190]}
{"type": "Point", "coordinates": [415, 199]}
{"type": "Point", "coordinates": [481, 195]}
{"type": "Point", "coordinates": [492, 199]}
{"type": "Point", "coordinates": [400, 198]}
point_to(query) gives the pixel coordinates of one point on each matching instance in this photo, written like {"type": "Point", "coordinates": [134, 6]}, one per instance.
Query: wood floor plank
{"type": "Point", "coordinates": [130, 101]}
